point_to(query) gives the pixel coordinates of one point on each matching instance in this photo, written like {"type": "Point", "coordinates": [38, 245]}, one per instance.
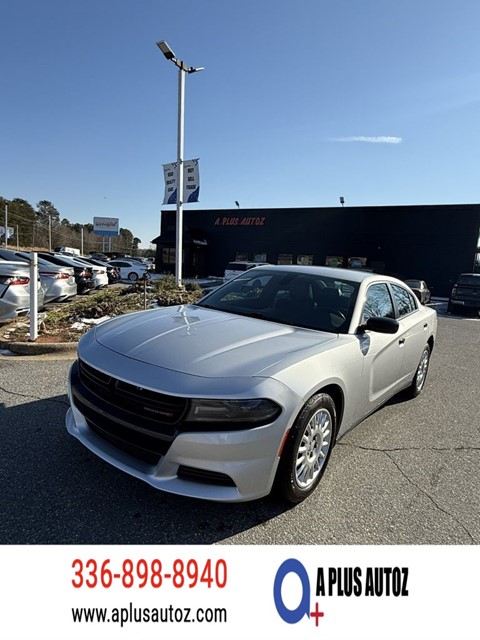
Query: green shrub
{"type": "Point", "coordinates": [167, 293]}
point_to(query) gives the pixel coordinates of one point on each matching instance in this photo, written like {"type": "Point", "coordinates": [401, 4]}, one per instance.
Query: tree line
{"type": "Point", "coordinates": [41, 227]}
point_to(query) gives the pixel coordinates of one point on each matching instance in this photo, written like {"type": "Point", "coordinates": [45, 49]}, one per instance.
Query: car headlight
{"type": "Point", "coordinates": [254, 411]}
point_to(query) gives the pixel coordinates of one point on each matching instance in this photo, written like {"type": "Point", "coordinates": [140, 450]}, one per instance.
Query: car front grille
{"type": "Point", "coordinates": [139, 445]}
{"type": "Point", "coordinates": [135, 420]}
{"type": "Point", "coordinates": [138, 421]}
{"type": "Point", "coordinates": [137, 400]}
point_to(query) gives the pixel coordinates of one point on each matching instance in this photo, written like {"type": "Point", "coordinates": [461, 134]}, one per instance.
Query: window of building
{"type": "Point", "coordinates": [334, 261]}
{"type": "Point", "coordinates": [404, 300]}
{"type": "Point", "coordinates": [378, 303]}
{"type": "Point", "coordinates": [241, 256]}
{"type": "Point", "coordinates": [304, 259]}
{"type": "Point", "coordinates": [260, 257]}
{"type": "Point", "coordinates": [285, 258]}
{"type": "Point", "coordinates": [168, 255]}
{"type": "Point", "coordinates": [356, 263]}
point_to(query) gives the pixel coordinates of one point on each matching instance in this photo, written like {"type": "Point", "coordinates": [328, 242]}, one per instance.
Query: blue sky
{"type": "Point", "coordinates": [300, 102]}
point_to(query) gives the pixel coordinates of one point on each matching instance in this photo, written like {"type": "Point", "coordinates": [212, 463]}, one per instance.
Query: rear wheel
{"type": "Point", "coordinates": [421, 374]}
{"type": "Point", "coordinates": [307, 449]}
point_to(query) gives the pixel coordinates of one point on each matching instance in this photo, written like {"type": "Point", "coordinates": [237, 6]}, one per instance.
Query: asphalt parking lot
{"type": "Point", "coordinates": [409, 474]}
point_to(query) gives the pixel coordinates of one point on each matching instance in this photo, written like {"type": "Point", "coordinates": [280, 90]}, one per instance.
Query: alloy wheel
{"type": "Point", "coordinates": [313, 448]}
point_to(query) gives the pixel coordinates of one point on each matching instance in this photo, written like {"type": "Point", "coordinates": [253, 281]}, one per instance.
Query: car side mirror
{"type": "Point", "coordinates": [380, 325]}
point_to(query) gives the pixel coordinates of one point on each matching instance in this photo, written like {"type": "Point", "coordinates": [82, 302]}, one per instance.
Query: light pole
{"type": "Point", "coordinates": [182, 70]}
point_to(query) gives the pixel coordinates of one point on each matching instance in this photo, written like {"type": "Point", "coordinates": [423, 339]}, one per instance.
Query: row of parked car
{"type": "Point", "coordinates": [61, 278]}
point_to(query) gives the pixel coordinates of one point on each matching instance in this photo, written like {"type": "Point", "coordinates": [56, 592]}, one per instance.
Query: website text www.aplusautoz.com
{"type": "Point", "coordinates": [133, 614]}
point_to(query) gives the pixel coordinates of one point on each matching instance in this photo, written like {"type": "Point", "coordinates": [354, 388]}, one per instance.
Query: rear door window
{"type": "Point", "coordinates": [406, 303]}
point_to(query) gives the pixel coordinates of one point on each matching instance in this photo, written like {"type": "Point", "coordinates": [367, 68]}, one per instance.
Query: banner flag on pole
{"type": "Point", "coordinates": [191, 182]}
{"type": "Point", "coordinates": [10, 231]}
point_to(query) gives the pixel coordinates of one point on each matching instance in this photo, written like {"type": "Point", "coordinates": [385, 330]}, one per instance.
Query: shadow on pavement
{"type": "Point", "coordinates": [54, 491]}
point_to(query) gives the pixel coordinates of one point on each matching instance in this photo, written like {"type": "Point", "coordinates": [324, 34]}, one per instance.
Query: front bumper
{"type": "Point", "coordinates": [227, 466]}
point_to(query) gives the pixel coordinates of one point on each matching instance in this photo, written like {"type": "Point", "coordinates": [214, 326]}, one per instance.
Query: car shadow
{"type": "Point", "coordinates": [55, 491]}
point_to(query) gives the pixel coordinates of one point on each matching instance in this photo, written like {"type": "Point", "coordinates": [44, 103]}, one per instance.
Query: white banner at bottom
{"type": "Point", "coordinates": [238, 592]}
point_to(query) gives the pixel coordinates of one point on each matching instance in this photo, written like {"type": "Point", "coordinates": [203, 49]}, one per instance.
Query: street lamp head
{"type": "Point", "coordinates": [194, 69]}
{"type": "Point", "coordinates": [342, 200]}
{"type": "Point", "coordinates": [165, 49]}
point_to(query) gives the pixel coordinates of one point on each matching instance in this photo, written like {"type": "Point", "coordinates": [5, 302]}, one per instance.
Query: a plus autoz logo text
{"type": "Point", "coordinates": [335, 582]}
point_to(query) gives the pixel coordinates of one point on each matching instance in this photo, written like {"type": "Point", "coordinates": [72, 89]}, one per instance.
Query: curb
{"type": "Point", "coordinates": [34, 349]}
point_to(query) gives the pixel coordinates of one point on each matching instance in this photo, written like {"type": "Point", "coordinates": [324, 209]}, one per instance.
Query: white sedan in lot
{"type": "Point", "coordinates": [248, 389]}
{"type": "Point", "coordinates": [129, 270]}
{"type": "Point", "coordinates": [99, 273]}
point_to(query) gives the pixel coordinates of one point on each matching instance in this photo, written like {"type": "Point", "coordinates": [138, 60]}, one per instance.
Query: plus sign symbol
{"type": "Point", "coordinates": [292, 616]}
{"type": "Point", "coordinates": [316, 614]}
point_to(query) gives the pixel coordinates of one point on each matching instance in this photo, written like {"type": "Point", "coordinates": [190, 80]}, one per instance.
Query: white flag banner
{"type": "Point", "coordinates": [10, 231]}
{"type": "Point", "coordinates": [191, 182]}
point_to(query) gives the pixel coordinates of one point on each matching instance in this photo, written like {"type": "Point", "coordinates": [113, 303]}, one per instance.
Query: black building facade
{"type": "Point", "coordinates": [431, 242]}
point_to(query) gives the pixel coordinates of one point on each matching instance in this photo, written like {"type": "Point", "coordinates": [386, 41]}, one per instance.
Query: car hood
{"type": "Point", "coordinates": [208, 343]}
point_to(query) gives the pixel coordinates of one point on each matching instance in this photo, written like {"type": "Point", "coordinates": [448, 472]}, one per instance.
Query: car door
{"type": "Point", "coordinates": [413, 332]}
{"type": "Point", "coordinates": [383, 353]}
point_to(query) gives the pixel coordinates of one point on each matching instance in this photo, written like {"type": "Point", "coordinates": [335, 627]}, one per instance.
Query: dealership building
{"type": "Point", "coordinates": [429, 242]}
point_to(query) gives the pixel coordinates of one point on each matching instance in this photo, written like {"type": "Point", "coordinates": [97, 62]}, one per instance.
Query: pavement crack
{"type": "Point", "coordinates": [387, 452]}
{"type": "Point", "coordinates": [27, 395]}
{"type": "Point", "coordinates": [394, 449]}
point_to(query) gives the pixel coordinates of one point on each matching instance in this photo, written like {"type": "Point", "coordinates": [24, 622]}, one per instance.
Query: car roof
{"type": "Point", "coordinates": [10, 265]}
{"type": "Point", "coordinates": [246, 262]}
{"type": "Point", "coordinates": [353, 275]}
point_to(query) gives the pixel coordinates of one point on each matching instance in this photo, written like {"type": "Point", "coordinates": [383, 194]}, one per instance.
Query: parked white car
{"type": "Point", "coordinates": [236, 268]}
{"type": "Point", "coordinates": [129, 270]}
{"type": "Point", "coordinates": [100, 277]}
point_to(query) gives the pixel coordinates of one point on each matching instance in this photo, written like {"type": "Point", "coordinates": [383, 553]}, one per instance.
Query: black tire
{"type": "Point", "coordinates": [132, 276]}
{"type": "Point", "coordinates": [420, 377]}
{"type": "Point", "coordinates": [304, 460]}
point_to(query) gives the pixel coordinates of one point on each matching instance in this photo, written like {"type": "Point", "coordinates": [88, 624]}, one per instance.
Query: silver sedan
{"type": "Point", "coordinates": [15, 290]}
{"type": "Point", "coordinates": [58, 282]}
{"type": "Point", "coordinates": [248, 390]}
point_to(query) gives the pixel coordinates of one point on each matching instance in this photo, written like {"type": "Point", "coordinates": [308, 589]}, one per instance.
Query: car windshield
{"type": "Point", "coordinates": [296, 298]}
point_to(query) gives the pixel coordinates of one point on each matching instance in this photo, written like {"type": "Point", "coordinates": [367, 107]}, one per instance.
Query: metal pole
{"type": "Point", "coordinates": [180, 141]}
{"type": "Point", "coordinates": [49, 233]}
{"type": "Point", "coordinates": [6, 226]}
{"type": "Point", "coordinates": [18, 240]}
{"type": "Point", "coordinates": [33, 297]}
{"type": "Point", "coordinates": [81, 241]}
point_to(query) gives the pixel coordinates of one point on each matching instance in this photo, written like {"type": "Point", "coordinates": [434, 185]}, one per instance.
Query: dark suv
{"type": "Point", "coordinates": [465, 294]}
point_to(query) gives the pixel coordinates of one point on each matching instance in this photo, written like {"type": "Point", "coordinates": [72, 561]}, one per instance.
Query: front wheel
{"type": "Point", "coordinates": [132, 276]}
{"type": "Point", "coordinates": [307, 449]}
